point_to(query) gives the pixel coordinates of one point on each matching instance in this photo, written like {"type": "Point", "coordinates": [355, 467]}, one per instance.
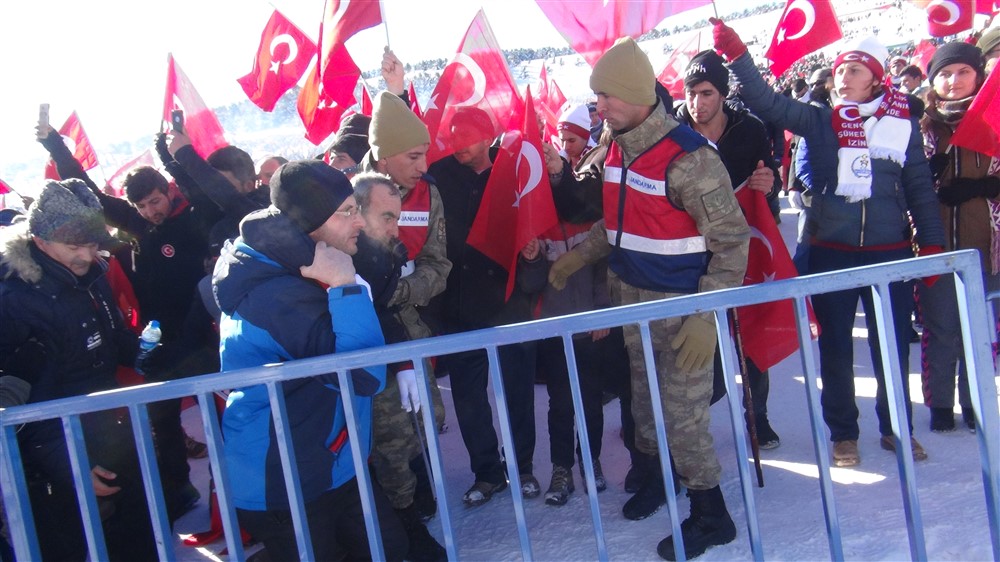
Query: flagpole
{"type": "Point", "coordinates": [715, 9]}
{"type": "Point", "coordinates": [385, 23]}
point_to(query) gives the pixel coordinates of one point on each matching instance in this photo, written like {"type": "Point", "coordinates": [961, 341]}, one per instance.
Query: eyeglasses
{"type": "Point", "coordinates": [348, 212]}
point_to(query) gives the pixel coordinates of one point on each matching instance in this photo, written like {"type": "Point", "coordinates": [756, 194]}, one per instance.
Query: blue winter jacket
{"type": "Point", "coordinates": [271, 314]}
{"type": "Point", "coordinates": [880, 220]}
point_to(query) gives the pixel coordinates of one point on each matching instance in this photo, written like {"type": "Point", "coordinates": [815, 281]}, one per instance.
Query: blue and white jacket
{"type": "Point", "coordinates": [271, 314]}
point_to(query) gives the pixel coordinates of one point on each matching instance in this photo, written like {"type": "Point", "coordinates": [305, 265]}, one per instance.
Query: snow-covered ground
{"type": "Point", "coordinates": [868, 497]}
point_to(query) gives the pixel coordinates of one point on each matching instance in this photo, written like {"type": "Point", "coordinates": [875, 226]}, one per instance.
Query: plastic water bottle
{"type": "Point", "coordinates": [150, 337]}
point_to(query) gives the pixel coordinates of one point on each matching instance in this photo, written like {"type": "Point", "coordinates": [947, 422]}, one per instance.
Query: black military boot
{"type": "Point", "coordinates": [423, 546]}
{"type": "Point", "coordinates": [709, 525]}
{"type": "Point", "coordinates": [651, 495]}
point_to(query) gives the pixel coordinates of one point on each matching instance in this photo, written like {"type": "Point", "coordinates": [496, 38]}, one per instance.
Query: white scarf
{"type": "Point", "coordinates": [883, 133]}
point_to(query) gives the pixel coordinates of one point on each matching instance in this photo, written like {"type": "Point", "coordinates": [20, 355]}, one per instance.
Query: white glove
{"type": "Point", "coordinates": [795, 200]}
{"type": "Point", "coordinates": [407, 381]}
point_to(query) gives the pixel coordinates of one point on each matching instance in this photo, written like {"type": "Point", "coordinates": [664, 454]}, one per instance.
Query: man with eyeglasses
{"type": "Point", "coordinates": [288, 290]}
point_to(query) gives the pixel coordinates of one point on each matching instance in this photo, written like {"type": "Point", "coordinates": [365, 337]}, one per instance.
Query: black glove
{"type": "Point", "coordinates": [161, 148]}
{"type": "Point", "coordinates": [938, 164]}
{"type": "Point", "coordinates": [961, 190]}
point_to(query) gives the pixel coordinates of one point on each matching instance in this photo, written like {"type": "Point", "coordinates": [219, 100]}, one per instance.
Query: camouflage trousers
{"type": "Point", "coordinates": [395, 442]}
{"type": "Point", "coordinates": [685, 396]}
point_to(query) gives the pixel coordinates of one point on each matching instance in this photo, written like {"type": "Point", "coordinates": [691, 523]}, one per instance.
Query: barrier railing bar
{"type": "Point", "coordinates": [437, 466]}
{"type": "Point", "coordinates": [819, 440]}
{"type": "Point", "coordinates": [217, 460]}
{"type": "Point", "coordinates": [286, 451]}
{"type": "Point", "coordinates": [584, 436]}
{"type": "Point", "coordinates": [666, 470]}
{"type": "Point", "coordinates": [510, 453]}
{"type": "Point", "coordinates": [979, 360]}
{"type": "Point", "coordinates": [893, 380]}
{"type": "Point", "coordinates": [143, 435]}
{"type": "Point", "coordinates": [14, 486]}
{"type": "Point", "coordinates": [80, 464]}
{"type": "Point", "coordinates": [743, 458]}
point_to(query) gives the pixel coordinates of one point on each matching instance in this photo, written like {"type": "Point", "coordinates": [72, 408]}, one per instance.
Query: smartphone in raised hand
{"type": "Point", "coordinates": [43, 120]}
{"type": "Point", "coordinates": [177, 120]}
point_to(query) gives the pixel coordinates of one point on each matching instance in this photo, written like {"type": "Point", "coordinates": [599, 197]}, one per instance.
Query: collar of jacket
{"type": "Point", "coordinates": [647, 133]}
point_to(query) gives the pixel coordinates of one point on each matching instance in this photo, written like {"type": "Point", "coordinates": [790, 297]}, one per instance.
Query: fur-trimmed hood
{"type": "Point", "coordinates": [15, 254]}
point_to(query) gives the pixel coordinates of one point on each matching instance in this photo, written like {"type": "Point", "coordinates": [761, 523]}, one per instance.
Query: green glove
{"type": "Point", "coordinates": [568, 264]}
{"type": "Point", "coordinates": [696, 342]}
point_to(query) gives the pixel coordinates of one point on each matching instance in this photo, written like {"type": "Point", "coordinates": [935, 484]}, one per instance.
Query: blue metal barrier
{"type": "Point", "coordinates": [976, 331]}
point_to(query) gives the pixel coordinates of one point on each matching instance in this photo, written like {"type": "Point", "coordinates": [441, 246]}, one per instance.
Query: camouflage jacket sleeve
{"type": "Point", "coordinates": [431, 265]}
{"type": "Point", "coordinates": [595, 246]}
{"type": "Point", "coordinates": [699, 183]}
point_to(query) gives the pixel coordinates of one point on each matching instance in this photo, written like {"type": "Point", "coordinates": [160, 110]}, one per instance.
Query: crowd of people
{"type": "Point", "coordinates": [245, 264]}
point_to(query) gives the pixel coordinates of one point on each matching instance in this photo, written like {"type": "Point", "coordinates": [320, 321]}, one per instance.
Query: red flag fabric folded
{"type": "Point", "coordinates": [200, 123]}
{"type": "Point", "coordinates": [672, 75]}
{"type": "Point", "coordinates": [804, 27]}
{"type": "Point", "coordinates": [79, 145]}
{"type": "Point", "coordinates": [988, 7]}
{"type": "Point", "coordinates": [550, 100]}
{"type": "Point", "coordinates": [341, 20]}
{"type": "Point", "coordinates": [116, 179]}
{"type": "Point", "coordinates": [768, 329]}
{"type": "Point", "coordinates": [5, 188]}
{"type": "Point", "coordinates": [320, 108]}
{"type": "Point", "coordinates": [282, 58]}
{"type": "Point", "coordinates": [922, 54]}
{"type": "Point", "coordinates": [979, 130]}
{"type": "Point", "coordinates": [592, 26]}
{"type": "Point", "coordinates": [366, 101]}
{"type": "Point", "coordinates": [414, 104]}
{"type": "Point", "coordinates": [477, 77]}
{"type": "Point", "coordinates": [517, 203]}
{"type": "Point", "coordinates": [948, 17]}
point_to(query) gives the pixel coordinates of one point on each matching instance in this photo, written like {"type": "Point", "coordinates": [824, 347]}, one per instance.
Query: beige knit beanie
{"type": "Point", "coordinates": [394, 128]}
{"type": "Point", "coordinates": [624, 72]}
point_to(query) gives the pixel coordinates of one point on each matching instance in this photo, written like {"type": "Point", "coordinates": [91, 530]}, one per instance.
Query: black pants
{"type": "Point", "coordinates": [336, 526]}
{"type": "Point", "coordinates": [469, 373]}
{"type": "Point", "coordinates": [552, 360]}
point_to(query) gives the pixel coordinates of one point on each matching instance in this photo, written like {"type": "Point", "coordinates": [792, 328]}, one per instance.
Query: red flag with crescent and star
{"type": "Point", "coordinates": [768, 329]}
{"type": "Point", "coordinates": [517, 204]}
{"type": "Point", "coordinates": [592, 26]}
{"type": "Point", "coordinates": [672, 75]}
{"type": "Point", "coordinates": [200, 123]}
{"type": "Point", "coordinates": [319, 110]}
{"type": "Point", "coordinates": [282, 58]}
{"type": "Point", "coordinates": [78, 143]}
{"type": "Point", "coordinates": [948, 17]}
{"type": "Point", "coordinates": [341, 20]}
{"type": "Point", "coordinates": [805, 26]}
{"type": "Point", "coordinates": [477, 77]}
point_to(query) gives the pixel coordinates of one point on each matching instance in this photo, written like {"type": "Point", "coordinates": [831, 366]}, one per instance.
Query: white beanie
{"type": "Point", "coordinates": [575, 119]}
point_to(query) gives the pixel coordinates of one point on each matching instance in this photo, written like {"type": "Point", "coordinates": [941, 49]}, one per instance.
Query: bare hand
{"type": "Point", "coordinates": [553, 162]}
{"type": "Point", "coordinates": [178, 140]}
{"type": "Point", "coordinates": [762, 179]}
{"type": "Point", "coordinates": [392, 72]}
{"type": "Point", "coordinates": [330, 266]}
{"type": "Point", "coordinates": [597, 335]}
{"type": "Point", "coordinates": [531, 250]}
{"type": "Point", "coordinates": [98, 475]}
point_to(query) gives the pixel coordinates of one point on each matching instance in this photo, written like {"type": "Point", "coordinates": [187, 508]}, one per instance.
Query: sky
{"type": "Point", "coordinates": [106, 59]}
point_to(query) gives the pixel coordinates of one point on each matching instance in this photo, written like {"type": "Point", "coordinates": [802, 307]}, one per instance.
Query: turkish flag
{"type": "Point", "coordinates": [477, 77]}
{"type": "Point", "coordinates": [592, 26]}
{"type": "Point", "coordinates": [923, 53]}
{"type": "Point", "coordinates": [948, 17]}
{"type": "Point", "coordinates": [988, 7]}
{"type": "Point", "coordinates": [517, 204]}
{"type": "Point", "coordinates": [672, 75]}
{"type": "Point", "coordinates": [768, 329]}
{"type": "Point", "coordinates": [116, 179]}
{"type": "Point", "coordinates": [550, 101]}
{"type": "Point", "coordinates": [414, 104]}
{"type": "Point", "coordinates": [805, 26]}
{"type": "Point", "coordinates": [341, 20]}
{"type": "Point", "coordinates": [282, 58]}
{"type": "Point", "coordinates": [321, 108]}
{"type": "Point", "coordinates": [979, 130]}
{"type": "Point", "coordinates": [200, 123]}
{"type": "Point", "coordinates": [366, 101]}
{"type": "Point", "coordinates": [83, 151]}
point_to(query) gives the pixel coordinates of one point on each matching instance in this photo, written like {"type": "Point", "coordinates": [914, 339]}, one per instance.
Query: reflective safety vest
{"type": "Point", "coordinates": [656, 245]}
{"type": "Point", "coordinates": [414, 220]}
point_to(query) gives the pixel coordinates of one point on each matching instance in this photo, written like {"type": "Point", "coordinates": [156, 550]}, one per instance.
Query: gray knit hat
{"type": "Point", "coordinates": [309, 192]}
{"type": "Point", "coordinates": [67, 212]}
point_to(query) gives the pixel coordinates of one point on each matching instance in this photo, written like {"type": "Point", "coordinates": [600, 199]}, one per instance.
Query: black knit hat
{"type": "Point", "coordinates": [67, 212]}
{"type": "Point", "coordinates": [707, 66]}
{"type": "Point", "coordinates": [954, 53]}
{"type": "Point", "coordinates": [308, 192]}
